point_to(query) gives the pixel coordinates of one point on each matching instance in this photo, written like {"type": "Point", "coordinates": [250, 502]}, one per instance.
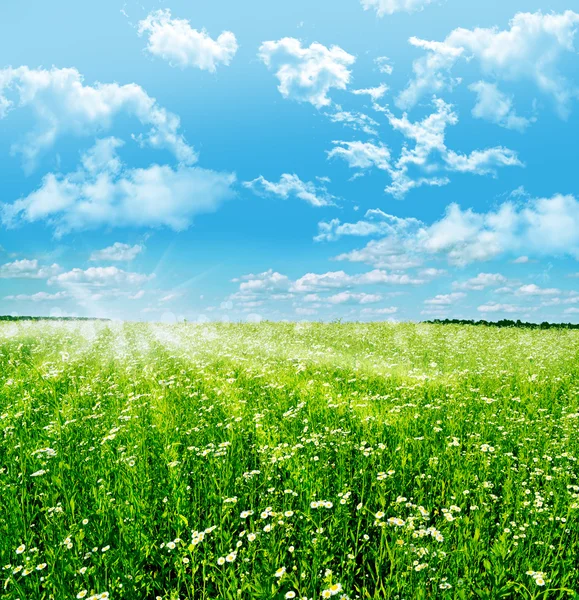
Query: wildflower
{"type": "Point", "coordinates": [82, 594]}
{"type": "Point", "coordinates": [379, 514]}
{"type": "Point", "coordinates": [41, 566]}
{"type": "Point", "coordinates": [20, 549]}
{"type": "Point", "coordinates": [105, 548]}
{"type": "Point", "coordinates": [221, 560]}
{"type": "Point", "coordinates": [290, 594]}
{"type": "Point", "coordinates": [280, 572]}
{"type": "Point", "coordinates": [445, 585]}
{"type": "Point", "coordinates": [336, 588]}
{"type": "Point", "coordinates": [251, 537]}
{"type": "Point", "coordinates": [231, 557]}
{"type": "Point", "coordinates": [326, 594]}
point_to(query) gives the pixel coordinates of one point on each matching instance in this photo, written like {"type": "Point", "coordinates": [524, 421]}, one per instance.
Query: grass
{"type": "Point", "coordinates": [268, 461]}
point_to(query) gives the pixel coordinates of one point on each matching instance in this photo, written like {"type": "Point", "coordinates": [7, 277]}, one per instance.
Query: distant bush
{"type": "Point", "coordinates": [505, 323]}
{"type": "Point", "coordinates": [11, 318]}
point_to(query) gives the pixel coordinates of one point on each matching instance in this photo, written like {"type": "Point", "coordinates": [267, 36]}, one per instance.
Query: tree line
{"type": "Point", "coordinates": [505, 323]}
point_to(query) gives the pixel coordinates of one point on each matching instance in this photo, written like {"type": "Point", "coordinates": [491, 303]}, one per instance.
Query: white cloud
{"type": "Point", "coordinates": [495, 106]}
{"type": "Point", "coordinates": [482, 162]}
{"type": "Point", "coordinates": [481, 282]}
{"type": "Point", "coordinates": [268, 281]}
{"type": "Point", "coordinates": [571, 311]}
{"type": "Point", "coordinates": [383, 64]}
{"type": "Point", "coordinates": [362, 155]}
{"type": "Point", "coordinates": [430, 155]}
{"type": "Point", "coordinates": [28, 269]}
{"type": "Point", "coordinates": [170, 296]}
{"type": "Point", "coordinates": [494, 307]}
{"type": "Point", "coordinates": [117, 252]}
{"type": "Point", "coordinates": [307, 74]}
{"type": "Point", "coordinates": [39, 297]}
{"type": "Point", "coordinates": [445, 299]}
{"type": "Point", "coordinates": [347, 297]}
{"type": "Point", "coordinates": [431, 272]}
{"type": "Point", "coordinates": [275, 286]}
{"type": "Point", "coordinates": [291, 185]}
{"type": "Point", "coordinates": [534, 290]}
{"type": "Point", "coordinates": [156, 196]}
{"type": "Point", "coordinates": [371, 312]}
{"type": "Point", "coordinates": [355, 120]}
{"type": "Point", "coordinates": [99, 277]}
{"type": "Point", "coordinates": [177, 42]}
{"type": "Point", "coordinates": [375, 93]}
{"type": "Point", "coordinates": [305, 311]}
{"type": "Point", "coordinates": [63, 105]}
{"type": "Point", "coordinates": [532, 49]}
{"type": "Point", "coordinates": [521, 260]}
{"type": "Point", "coordinates": [538, 227]}
{"type": "Point", "coordinates": [389, 7]}
{"type": "Point", "coordinates": [376, 222]}
{"type": "Point", "coordinates": [314, 282]}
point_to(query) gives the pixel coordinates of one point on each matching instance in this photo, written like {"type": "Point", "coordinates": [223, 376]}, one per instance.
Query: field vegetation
{"type": "Point", "coordinates": [273, 461]}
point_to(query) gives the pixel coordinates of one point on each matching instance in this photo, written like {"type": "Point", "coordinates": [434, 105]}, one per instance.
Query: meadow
{"type": "Point", "coordinates": [289, 460]}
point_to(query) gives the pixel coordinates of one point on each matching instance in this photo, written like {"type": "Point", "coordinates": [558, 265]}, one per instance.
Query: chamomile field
{"type": "Point", "coordinates": [272, 461]}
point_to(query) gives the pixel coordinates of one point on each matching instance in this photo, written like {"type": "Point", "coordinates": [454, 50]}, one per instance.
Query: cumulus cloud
{"type": "Point", "coordinates": [481, 282]}
{"type": "Point", "coordinates": [28, 269]}
{"type": "Point", "coordinates": [314, 282]}
{"type": "Point", "coordinates": [117, 252]}
{"type": "Point", "coordinates": [383, 65]}
{"type": "Point", "coordinates": [430, 156]}
{"type": "Point", "coordinates": [389, 7]}
{"type": "Point", "coordinates": [534, 290]}
{"type": "Point", "coordinates": [494, 307]}
{"type": "Point", "coordinates": [377, 312]}
{"type": "Point", "coordinates": [355, 120]}
{"type": "Point", "coordinates": [268, 281]}
{"type": "Point", "coordinates": [375, 92]}
{"type": "Point", "coordinates": [362, 155]}
{"type": "Point", "coordinates": [63, 105]}
{"type": "Point", "coordinates": [532, 49]}
{"type": "Point", "coordinates": [291, 185]}
{"type": "Point", "coordinates": [99, 277]}
{"type": "Point", "coordinates": [495, 106]}
{"type": "Point", "coordinates": [445, 299]}
{"type": "Point", "coordinates": [38, 297]}
{"type": "Point", "coordinates": [375, 222]}
{"type": "Point", "coordinates": [349, 297]}
{"type": "Point", "coordinates": [102, 192]}
{"type": "Point", "coordinates": [538, 227]}
{"type": "Point", "coordinates": [175, 41]}
{"type": "Point", "coordinates": [307, 74]}
{"type": "Point", "coordinates": [271, 285]}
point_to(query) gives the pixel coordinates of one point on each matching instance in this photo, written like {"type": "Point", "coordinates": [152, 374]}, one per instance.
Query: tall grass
{"type": "Point", "coordinates": [225, 461]}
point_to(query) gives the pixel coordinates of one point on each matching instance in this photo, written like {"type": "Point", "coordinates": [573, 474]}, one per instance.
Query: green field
{"type": "Point", "coordinates": [268, 461]}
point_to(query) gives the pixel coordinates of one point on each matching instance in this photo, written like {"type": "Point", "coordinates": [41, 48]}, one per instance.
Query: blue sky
{"type": "Point", "coordinates": [366, 160]}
